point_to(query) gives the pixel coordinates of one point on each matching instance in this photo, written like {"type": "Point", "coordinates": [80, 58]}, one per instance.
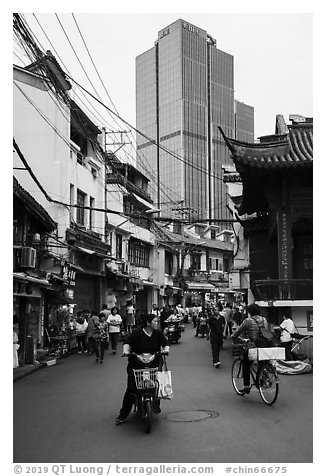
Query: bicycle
{"type": "Point", "coordinates": [263, 376]}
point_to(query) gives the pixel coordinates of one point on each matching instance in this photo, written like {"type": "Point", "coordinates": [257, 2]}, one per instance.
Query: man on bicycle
{"type": "Point", "coordinates": [249, 330]}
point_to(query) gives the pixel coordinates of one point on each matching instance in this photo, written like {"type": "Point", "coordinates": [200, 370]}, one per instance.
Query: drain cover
{"type": "Point", "coordinates": [191, 415]}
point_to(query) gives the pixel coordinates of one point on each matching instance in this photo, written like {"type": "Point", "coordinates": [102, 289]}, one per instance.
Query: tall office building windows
{"type": "Point", "coordinates": [184, 91]}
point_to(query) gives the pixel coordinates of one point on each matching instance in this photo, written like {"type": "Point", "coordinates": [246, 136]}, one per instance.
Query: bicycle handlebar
{"type": "Point", "coordinates": [160, 352]}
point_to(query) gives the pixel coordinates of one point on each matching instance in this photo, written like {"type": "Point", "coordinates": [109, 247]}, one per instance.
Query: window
{"type": "Point", "coordinates": [177, 228]}
{"type": "Point", "coordinates": [81, 198]}
{"type": "Point", "coordinates": [226, 264]}
{"type": "Point", "coordinates": [118, 246]}
{"type": "Point", "coordinates": [213, 234]}
{"type": "Point", "coordinates": [91, 212]}
{"type": "Point", "coordinates": [168, 263]}
{"type": "Point", "coordinates": [138, 253]}
{"type": "Point", "coordinates": [195, 261]}
{"type": "Point", "coordinates": [72, 201]}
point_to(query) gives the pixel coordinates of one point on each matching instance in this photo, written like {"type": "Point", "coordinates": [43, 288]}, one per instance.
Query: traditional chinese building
{"type": "Point", "coordinates": [276, 212]}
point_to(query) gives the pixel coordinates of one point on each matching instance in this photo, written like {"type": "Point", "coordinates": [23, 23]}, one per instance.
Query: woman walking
{"type": "Point", "coordinates": [100, 337]}
{"type": "Point", "coordinates": [114, 321]}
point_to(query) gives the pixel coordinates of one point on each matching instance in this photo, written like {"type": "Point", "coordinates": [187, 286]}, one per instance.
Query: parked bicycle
{"type": "Point", "coordinates": [263, 376]}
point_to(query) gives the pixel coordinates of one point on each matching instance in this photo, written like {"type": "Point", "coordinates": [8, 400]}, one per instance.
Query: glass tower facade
{"type": "Point", "coordinates": [184, 91]}
{"type": "Point", "coordinates": [244, 122]}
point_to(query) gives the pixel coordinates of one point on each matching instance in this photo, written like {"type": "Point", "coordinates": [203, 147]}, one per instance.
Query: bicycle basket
{"type": "Point", "coordinates": [145, 378]}
{"type": "Point", "coordinates": [239, 349]}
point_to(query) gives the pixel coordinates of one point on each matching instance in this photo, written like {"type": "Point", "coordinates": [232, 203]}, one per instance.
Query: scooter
{"type": "Point", "coordinates": [146, 395]}
{"type": "Point", "coordinates": [173, 333]}
{"type": "Point", "coordinates": [202, 326]}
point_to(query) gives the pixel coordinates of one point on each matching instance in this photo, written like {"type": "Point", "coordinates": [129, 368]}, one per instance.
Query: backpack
{"type": "Point", "coordinates": [265, 337]}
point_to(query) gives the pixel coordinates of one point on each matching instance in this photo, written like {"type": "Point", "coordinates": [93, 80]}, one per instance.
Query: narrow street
{"type": "Point", "coordinates": [66, 413]}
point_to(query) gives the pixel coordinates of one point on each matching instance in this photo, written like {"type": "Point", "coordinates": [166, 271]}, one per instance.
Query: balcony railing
{"type": "Point", "coordinates": [284, 290]}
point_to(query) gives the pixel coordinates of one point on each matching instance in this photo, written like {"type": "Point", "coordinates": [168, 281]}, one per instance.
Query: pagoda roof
{"type": "Point", "coordinates": [261, 165]}
{"type": "Point", "coordinates": [294, 149]}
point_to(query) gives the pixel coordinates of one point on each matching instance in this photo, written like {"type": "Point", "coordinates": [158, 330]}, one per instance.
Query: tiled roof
{"type": "Point", "coordinates": [35, 208]}
{"type": "Point", "coordinates": [168, 237]}
{"type": "Point", "coordinates": [294, 150]}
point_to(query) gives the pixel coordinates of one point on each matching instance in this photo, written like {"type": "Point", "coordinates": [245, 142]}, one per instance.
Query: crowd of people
{"type": "Point", "coordinates": [97, 331]}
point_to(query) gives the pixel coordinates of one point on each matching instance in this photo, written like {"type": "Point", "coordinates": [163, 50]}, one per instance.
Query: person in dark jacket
{"type": "Point", "coordinates": [146, 340]}
{"type": "Point", "coordinates": [249, 329]}
{"type": "Point", "coordinates": [100, 337]}
{"type": "Point", "coordinates": [217, 326]}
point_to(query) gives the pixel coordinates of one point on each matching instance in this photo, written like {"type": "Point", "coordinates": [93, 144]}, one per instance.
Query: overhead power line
{"type": "Point", "coordinates": [151, 140]}
{"type": "Point", "coordinates": [105, 210]}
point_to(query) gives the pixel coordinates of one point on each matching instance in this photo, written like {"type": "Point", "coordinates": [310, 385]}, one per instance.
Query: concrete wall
{"type": "Point", "coordinates": [41, 129]}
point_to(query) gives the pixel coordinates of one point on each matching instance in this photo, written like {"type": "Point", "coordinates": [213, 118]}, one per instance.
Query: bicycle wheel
{"type": "Point", "coordinates": [267, 382]}
{"type": "Point", "coordinates": [148, 412]}
{"type": "Point", "coordinates": [237, 377]}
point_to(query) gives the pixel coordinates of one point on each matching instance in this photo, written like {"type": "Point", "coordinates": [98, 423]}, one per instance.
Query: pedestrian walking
{"type": "Point", "coordinates": [81, 329]}
{"type": "Point", "coordinates": [15, 345]}
{"type": "Point", "coordinates": [114, 321]}
{"type": "Point", "coordinates": [217, 325]}
{"type": "Point", "coordinates": [130, 316]}
{"type": "Point", "coordinates": [227, 313]}
{"type": "Point", "coordinates": [90, 332]}
{"type": "Point", "coordinates": [105, 311]}
{"type": "Point", "coordinates": [100, 337]}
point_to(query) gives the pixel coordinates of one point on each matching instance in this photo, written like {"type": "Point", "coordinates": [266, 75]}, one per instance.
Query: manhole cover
{"type": "Point", "coordinates": [191, 415]}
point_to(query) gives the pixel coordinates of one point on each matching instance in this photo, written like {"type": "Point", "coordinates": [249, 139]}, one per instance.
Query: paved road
{"type": "Point", "coordinates": [65, 413]}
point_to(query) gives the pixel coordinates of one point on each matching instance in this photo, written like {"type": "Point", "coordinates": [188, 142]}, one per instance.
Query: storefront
{"type": "Point", "coordinates": [28, 308]}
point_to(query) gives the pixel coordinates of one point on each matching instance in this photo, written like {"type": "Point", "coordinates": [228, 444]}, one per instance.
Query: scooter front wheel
{"type": "Point", "coordinates": [148, 415]}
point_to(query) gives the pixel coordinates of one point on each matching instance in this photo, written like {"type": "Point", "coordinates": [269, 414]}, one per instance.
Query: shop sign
{"type": "Point", "coordinates": [68, 274]}
{"type": "Point", "coordinates": [69, 293]}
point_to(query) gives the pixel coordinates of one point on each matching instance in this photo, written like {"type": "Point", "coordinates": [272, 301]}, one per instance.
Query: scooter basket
{"type": "Point", "coordinates": [145, 378]}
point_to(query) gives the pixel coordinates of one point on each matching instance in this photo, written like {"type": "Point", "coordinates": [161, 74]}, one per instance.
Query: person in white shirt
{"type": "Point", "coordinates": [114, 320]}
{"type": "Point", "coordinates": [130, 317]}
{"type": "Point", "coordinates": [81, 329]}
{"type": "Point", "coordinates": [105, 311]}
{"type": "Point", "coordinates": [288, 328]}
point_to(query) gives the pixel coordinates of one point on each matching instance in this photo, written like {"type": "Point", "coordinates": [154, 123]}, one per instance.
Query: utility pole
{"type": "Point", "coordinates": [157, 126]}
{"type": "Point", "coordinates": [121, 141]}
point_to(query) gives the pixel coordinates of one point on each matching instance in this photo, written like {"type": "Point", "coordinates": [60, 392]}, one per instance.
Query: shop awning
{"type": "Point", "coordinates": [92, 252]}
{"type": "Point", "coordinates": [57, 299]}
{"type": "Point", "coordinates": [30, 279]}
{"type": "Point", "coordinates": [85, 250]}
{"type": "Point", "coordinates": [149, 283]}
{"type": "Point", "coordinates": [192, 286]}
{"type": "Point", "coordinates": [150, 206]}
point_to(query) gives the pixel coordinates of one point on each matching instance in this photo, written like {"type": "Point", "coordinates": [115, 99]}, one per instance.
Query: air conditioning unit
{"type": "Point", "coordinates": [27, 257]}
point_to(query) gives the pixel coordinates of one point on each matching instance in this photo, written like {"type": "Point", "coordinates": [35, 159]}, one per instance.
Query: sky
{"type": "Point", "coordinates": [273, 56]}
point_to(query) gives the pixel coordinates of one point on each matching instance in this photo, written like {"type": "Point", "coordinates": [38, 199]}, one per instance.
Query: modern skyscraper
{"type": "Point", "coordinates": [244, 122]}
{"type": "Point", "coordinates": [184, 91]}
